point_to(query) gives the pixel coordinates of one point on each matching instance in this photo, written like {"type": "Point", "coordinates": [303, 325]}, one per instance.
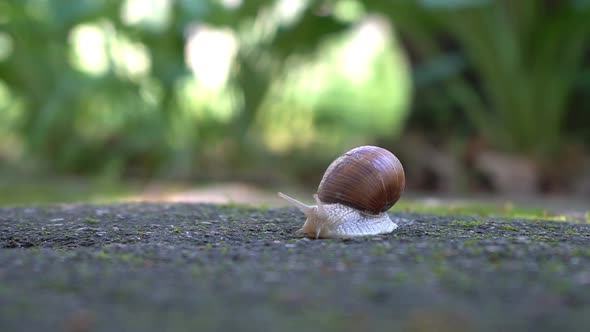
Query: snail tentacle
{"type": "Point", "coordinates": [317, 233]}
{"type": "Point", "coordinates": [321, 213]}
{"type": "Point", "coordinates": [306, 209]}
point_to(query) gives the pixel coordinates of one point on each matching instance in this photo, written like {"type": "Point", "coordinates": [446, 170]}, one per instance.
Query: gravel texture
{"type": "Point", "coordinates": [183, 267]}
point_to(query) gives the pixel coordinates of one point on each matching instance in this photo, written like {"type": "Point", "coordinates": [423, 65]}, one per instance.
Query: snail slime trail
{"type": "Point", "coordinates": [355, 192]}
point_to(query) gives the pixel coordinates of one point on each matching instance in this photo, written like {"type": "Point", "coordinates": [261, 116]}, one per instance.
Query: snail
{"type": "Point", "coordinates": [354, 194]}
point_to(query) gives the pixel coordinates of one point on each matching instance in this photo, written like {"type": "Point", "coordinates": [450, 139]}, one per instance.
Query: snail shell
{"type": "Point", "coordinates": [355, 191]}
{"type": "Point", "coordinates": [367, 178]}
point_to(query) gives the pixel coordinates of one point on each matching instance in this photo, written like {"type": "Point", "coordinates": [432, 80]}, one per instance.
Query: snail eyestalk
{"type": "Point", "coordinates": [306, 209]}
{"type": "Point", "coordinates": [321, 210]}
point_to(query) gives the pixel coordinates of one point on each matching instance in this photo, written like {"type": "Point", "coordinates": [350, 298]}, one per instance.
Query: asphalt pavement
{"type": "Point", "coordinates": [191, 267]}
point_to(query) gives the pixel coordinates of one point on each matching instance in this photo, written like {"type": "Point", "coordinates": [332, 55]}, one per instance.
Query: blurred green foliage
{"type": "Point", "coordinates": [525, 55]}
{"type": "Point", "coordinates": [508, 69]}
{"type": "Point", "coordinates": [107, 87]}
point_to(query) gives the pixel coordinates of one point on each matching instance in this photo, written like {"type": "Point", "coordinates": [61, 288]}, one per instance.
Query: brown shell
{"type": "Point", "coordinates": [367, 178]}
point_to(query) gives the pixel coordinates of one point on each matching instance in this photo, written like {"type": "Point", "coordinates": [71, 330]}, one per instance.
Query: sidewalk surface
{"type": "Point", "coordinates": [191, 267]}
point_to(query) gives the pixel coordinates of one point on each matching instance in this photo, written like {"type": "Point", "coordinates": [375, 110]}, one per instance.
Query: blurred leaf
{"type": "Point", "coordinates": [525, 55]}
{"type": "Point", "coordinates": [306, 34]}
{"type": "Point", "coordinates": [439, 68]}
{"type": "Point", "coordinates": [220, 15]}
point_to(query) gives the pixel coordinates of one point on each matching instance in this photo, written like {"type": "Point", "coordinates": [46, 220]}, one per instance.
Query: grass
{"type": "Point", "coordinates": [467, 224]}
{"type": "Point", "coordinates": [25, 189]}
{"type": "Point", "coordinates": [90, 220]}
{"type": "Point", "coordinates": [507, 210]}
{"type": "Point", "coordinates": [31, 189]}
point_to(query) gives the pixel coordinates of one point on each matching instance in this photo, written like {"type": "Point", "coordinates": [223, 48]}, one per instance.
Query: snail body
{"type": "Point", "coordinates": [355, 192]}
